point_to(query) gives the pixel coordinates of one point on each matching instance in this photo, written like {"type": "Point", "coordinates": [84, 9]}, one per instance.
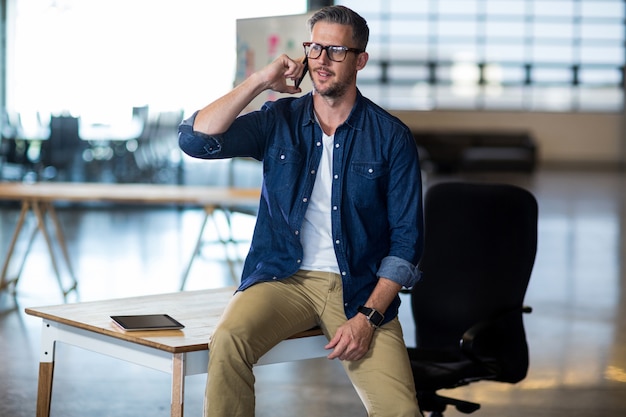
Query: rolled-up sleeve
{"type": "Point", "coordinates": [399, 271]}
{"type": "Point", "coordinates": [197, 144]}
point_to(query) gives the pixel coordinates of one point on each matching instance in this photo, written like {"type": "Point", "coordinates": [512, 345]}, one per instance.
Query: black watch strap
{"type": "Point", "coordinates": [374, 316]}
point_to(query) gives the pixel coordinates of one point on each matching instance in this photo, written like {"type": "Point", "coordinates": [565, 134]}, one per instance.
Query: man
{"type": "Point", "coordinates": [339, 227]}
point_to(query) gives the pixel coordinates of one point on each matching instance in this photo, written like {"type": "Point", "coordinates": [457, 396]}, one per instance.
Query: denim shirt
{"type": "Point", "coordinates": [376, 213]}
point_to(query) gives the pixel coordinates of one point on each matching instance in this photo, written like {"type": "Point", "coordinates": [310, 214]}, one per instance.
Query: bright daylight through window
{"type": "Point", "coordinates": [538, 55]}
{"type": "Point", "coordinates": [99, 59]}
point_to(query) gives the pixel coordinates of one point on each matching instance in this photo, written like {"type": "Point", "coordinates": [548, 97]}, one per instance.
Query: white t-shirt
{"type": "Point", "coordinates": [316, 234]}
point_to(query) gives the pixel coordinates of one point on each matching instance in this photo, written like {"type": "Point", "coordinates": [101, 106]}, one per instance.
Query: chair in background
{"type": "Point", "coordinates": [13, 151]}
{"type": "Point", "coordinates": [480, 245]}
{"type": "Point", "coordinates": [61, 153]}
{"type": "Point", "coordinates": [158, 157]}
{"type": "Point", "coordinates": [20, 142]}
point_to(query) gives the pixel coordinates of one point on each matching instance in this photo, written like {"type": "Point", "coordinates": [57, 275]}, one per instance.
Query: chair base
{"type": "Point", "coordinates": [430, 401]}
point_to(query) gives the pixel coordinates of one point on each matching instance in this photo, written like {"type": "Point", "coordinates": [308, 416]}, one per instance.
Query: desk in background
{"type": "Point", "coordinates": [40, 198]}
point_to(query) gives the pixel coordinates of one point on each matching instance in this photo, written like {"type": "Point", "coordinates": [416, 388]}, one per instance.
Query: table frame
{"type": "Point", "coordinates": [40, 198]}
{"type": "Point", "coordinates": [178, 365]}
{"type": "Point", "coordinates": [41, 211]}
{"type": "Point", "coordinates": [179, 353]}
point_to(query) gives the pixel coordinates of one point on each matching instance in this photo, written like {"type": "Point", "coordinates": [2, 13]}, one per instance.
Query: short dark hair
{"type": "Point", "coordinates": [344, 16]}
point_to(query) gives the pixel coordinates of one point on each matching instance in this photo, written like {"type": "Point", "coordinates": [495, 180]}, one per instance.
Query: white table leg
{"type": "Point", "coordinates": [46, 370]}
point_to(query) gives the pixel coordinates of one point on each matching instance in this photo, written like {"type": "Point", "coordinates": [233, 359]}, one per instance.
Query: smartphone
{"type": "Point", "coordinates": [304, 71]}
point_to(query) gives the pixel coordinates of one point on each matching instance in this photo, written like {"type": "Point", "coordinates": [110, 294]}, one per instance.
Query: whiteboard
{"type": "Point", "coordinates": [261, 40]}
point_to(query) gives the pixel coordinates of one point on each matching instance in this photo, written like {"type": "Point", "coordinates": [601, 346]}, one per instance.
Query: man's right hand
{"type": "Point", "coordinates": [278, 73]}
{"type": "Point", "coordinates": [217, 117]}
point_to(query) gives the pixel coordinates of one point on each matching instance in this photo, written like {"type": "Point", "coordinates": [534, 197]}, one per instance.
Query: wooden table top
{"type": "Point", "coordinates": [198, 311]}
{"type": "Point", "coordinates": [128, 193]}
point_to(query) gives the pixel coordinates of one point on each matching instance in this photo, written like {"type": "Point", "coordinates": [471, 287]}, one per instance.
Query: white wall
{"type": "Point", "coordinates": [581, 138]}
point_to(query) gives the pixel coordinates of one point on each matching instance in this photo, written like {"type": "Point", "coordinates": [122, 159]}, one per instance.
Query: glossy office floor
{"type": "Point", "coordinates": [577, 331]}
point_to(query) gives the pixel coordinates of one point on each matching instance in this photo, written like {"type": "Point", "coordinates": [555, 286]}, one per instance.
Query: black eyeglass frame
{"type": "Point", "coordinates": [326, 48]}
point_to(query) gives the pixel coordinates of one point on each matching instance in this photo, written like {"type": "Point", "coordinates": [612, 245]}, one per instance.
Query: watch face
{"type": "Point", "coordinates": [377, 318]}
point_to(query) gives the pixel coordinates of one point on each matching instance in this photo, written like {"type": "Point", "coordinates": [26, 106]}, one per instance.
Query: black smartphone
{"type": "Point", "coordinates": [304, 71]}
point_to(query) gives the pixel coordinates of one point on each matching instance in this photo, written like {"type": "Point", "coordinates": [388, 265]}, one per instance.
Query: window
{"type": "Point", "coordinates": [541, 55]}
{"type": "Point", "coordinates": [100, 58]}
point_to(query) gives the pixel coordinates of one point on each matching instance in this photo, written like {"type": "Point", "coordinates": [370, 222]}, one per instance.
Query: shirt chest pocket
{"type": "Point", "coordinates": [367, 183]}
{"type": "Point", "coordinates": [282, 168]}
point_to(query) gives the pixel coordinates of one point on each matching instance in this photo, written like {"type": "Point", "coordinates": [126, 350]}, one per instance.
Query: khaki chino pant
{"type": "Point", "coordinates": [265, 314]}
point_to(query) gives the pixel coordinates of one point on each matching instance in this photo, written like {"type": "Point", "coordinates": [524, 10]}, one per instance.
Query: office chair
{"type": "Point", "coordinates": [63, 149]}
{"type": "Point", "coordinates": [479, 251]}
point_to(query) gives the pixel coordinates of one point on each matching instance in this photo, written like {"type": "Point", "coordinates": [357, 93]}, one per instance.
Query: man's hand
{"type": "Point", "coordinates": [352, 340]}
{"type": "Point", "coordinates": [279, 71]}
{"type": "Point", "coordinates": [217, 117]}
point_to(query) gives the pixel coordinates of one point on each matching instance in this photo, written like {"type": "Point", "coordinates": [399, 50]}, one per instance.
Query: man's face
{"type": "Point", "coordinates": [332, 79]}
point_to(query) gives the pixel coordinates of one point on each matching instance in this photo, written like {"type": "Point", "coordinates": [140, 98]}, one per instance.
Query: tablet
{"type": "Point", "coordinates": [147, 322]}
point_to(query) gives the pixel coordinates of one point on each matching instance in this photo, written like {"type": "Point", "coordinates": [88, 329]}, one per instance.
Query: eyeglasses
{"type": "Point", "coordinates": [335, 53]}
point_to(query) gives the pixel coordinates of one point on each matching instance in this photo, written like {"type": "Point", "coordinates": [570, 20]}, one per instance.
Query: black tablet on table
{"type": "Point", "coordinates": [147, 322]}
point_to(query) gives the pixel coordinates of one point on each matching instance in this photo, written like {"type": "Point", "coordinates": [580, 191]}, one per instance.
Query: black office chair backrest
{"type": "Point", "coordinates": [63, 144]}
{"type": "Point", "coordinates": [479, 250]}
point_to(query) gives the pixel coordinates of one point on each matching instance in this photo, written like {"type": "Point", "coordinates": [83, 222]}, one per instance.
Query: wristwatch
{"type": "Point", "coordinates": [373, 316]}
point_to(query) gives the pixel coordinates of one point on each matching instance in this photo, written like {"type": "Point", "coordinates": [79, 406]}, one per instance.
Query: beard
{"type": "Point", "coordinates": [333, 90]}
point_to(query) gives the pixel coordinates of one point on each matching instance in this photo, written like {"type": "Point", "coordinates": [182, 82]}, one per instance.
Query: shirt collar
{"type": "Point", "coordinates": [354, 120]}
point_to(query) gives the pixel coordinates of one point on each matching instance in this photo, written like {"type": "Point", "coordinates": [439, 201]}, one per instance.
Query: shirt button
{"type": "Point", "coordinates": [337, 241]}
{"type": "Point", "coordinates": [318, 144]}
{"type": "Point", "coordinates": [336, 176]}
{"type": "Point", "coordinates": [334, 207]}
{"type": "Point", "coordinates": [336, 145]}
{"type": "Point", "coordinates": [274, 277]}
{"type": "Point", "coordinates": [370, 170]}
{"type": "Point", "coordinates": [282, 157]}
{"type": "Point", "coordinates": [299, 261]}
{"type": "Point", "coordinates": [344, 273]}
{"type": "Point", "coordinates": [304, 200]}
{"type": "Point", "coordinates": [297, 232]}
{"type": "Point", "coordinates": [313, 172]}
